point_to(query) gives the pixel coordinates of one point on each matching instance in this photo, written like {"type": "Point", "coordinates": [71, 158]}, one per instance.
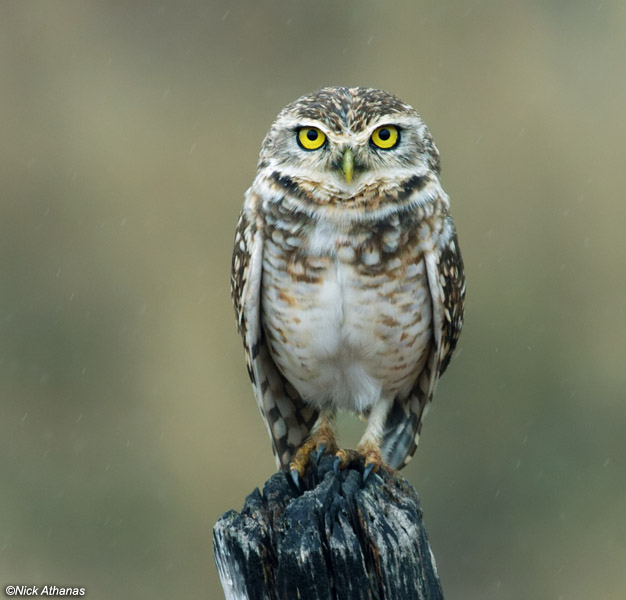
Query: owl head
{"type": "Point", "coordinates": [343, 142]}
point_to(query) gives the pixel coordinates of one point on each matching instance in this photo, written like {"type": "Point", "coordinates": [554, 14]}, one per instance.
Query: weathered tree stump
{"type": "Point", "coordinates": [339, 539]}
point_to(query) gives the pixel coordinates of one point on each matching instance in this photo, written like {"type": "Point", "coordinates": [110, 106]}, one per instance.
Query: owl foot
{"type": "Point", "coordinates": [320, 442]}
{"type": "Point", "coordinates": [369, 457]}
{"type": "Point", "coordinates": [372, 460]}
{"type": "Point", "coordinates": [346, 458]}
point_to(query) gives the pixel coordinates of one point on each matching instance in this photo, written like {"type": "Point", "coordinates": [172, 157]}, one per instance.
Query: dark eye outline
{"type": "Point", "coordinates": [299, 130]}
{"type": "Point", "coordinates": [398, 139]}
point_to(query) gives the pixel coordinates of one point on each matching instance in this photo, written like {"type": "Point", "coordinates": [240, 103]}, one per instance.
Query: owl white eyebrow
{"type": "Point", "coordinates": [401, 122]}
{"type": "Point", "coordinates": [296, 124]}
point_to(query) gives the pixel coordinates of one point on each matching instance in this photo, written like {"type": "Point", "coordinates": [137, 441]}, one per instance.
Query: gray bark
{"type": "Point", "coordinates": [339, 539]}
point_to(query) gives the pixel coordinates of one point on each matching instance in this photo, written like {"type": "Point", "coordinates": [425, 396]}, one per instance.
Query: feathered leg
{"type": "Point", "coordinates": [368, 449]}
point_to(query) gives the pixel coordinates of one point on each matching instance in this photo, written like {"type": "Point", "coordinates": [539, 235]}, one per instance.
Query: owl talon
{"type": "Point", "coordinates": [345, 459]}
{"type": "Point", "coordinates": [319, 452]}
{"type": "Point", "coordinates": [295, 477]}
{"type": "Point", "coordinates": [369, 469]}
{"type": "Point", "coordinates": [372, 460]}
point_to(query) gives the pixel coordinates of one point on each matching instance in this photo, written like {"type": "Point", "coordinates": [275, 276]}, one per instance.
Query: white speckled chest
{"type": "Point", "coordinates": [347, 311]}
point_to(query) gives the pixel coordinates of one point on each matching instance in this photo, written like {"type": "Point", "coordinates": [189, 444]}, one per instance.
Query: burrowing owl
{"type": "Point", "coordinates": [347, 277]}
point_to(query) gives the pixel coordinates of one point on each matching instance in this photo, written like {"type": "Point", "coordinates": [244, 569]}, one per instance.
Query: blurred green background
{"type": "Point", "coordinates": [128, 135]}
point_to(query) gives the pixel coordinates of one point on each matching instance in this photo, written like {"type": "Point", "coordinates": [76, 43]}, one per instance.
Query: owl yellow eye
{"type": "Point", "coordinates": [385, 137]}
{"type": "Point", "coordinates": [310, 138]}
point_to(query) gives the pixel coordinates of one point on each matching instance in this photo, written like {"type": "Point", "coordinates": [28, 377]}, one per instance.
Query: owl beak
{"type": "Point", "coordinates": [347, 165]}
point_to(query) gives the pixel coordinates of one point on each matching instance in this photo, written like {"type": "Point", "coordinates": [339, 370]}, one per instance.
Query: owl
{"type": "Point", "coordinates": [347, 278]}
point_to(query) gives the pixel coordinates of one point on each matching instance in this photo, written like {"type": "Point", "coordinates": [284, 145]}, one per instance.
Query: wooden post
{"type": "Point", "coordinates": [338, 539]}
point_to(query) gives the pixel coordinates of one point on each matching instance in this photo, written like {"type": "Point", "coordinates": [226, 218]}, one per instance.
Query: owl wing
{"type": "Point", "coordinates": [288, 418]}
{"type": "Point", "coordinates": [446, 282]}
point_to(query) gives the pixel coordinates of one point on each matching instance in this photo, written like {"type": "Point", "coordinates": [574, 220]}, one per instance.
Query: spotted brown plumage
{"type": "Point", "coordinates": [347, 277]}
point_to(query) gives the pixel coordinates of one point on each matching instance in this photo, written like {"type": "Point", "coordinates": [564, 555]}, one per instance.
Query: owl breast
{"type": "Point", "coordinates": [348, 318]}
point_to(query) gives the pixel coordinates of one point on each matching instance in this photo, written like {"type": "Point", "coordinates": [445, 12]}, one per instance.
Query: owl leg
{"type": "Point", "coordinates": [322, 439]}
{"type": "Point", "coordinates": [370, 445]}
{"type": "Point", "coordinates": [368, 449]}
